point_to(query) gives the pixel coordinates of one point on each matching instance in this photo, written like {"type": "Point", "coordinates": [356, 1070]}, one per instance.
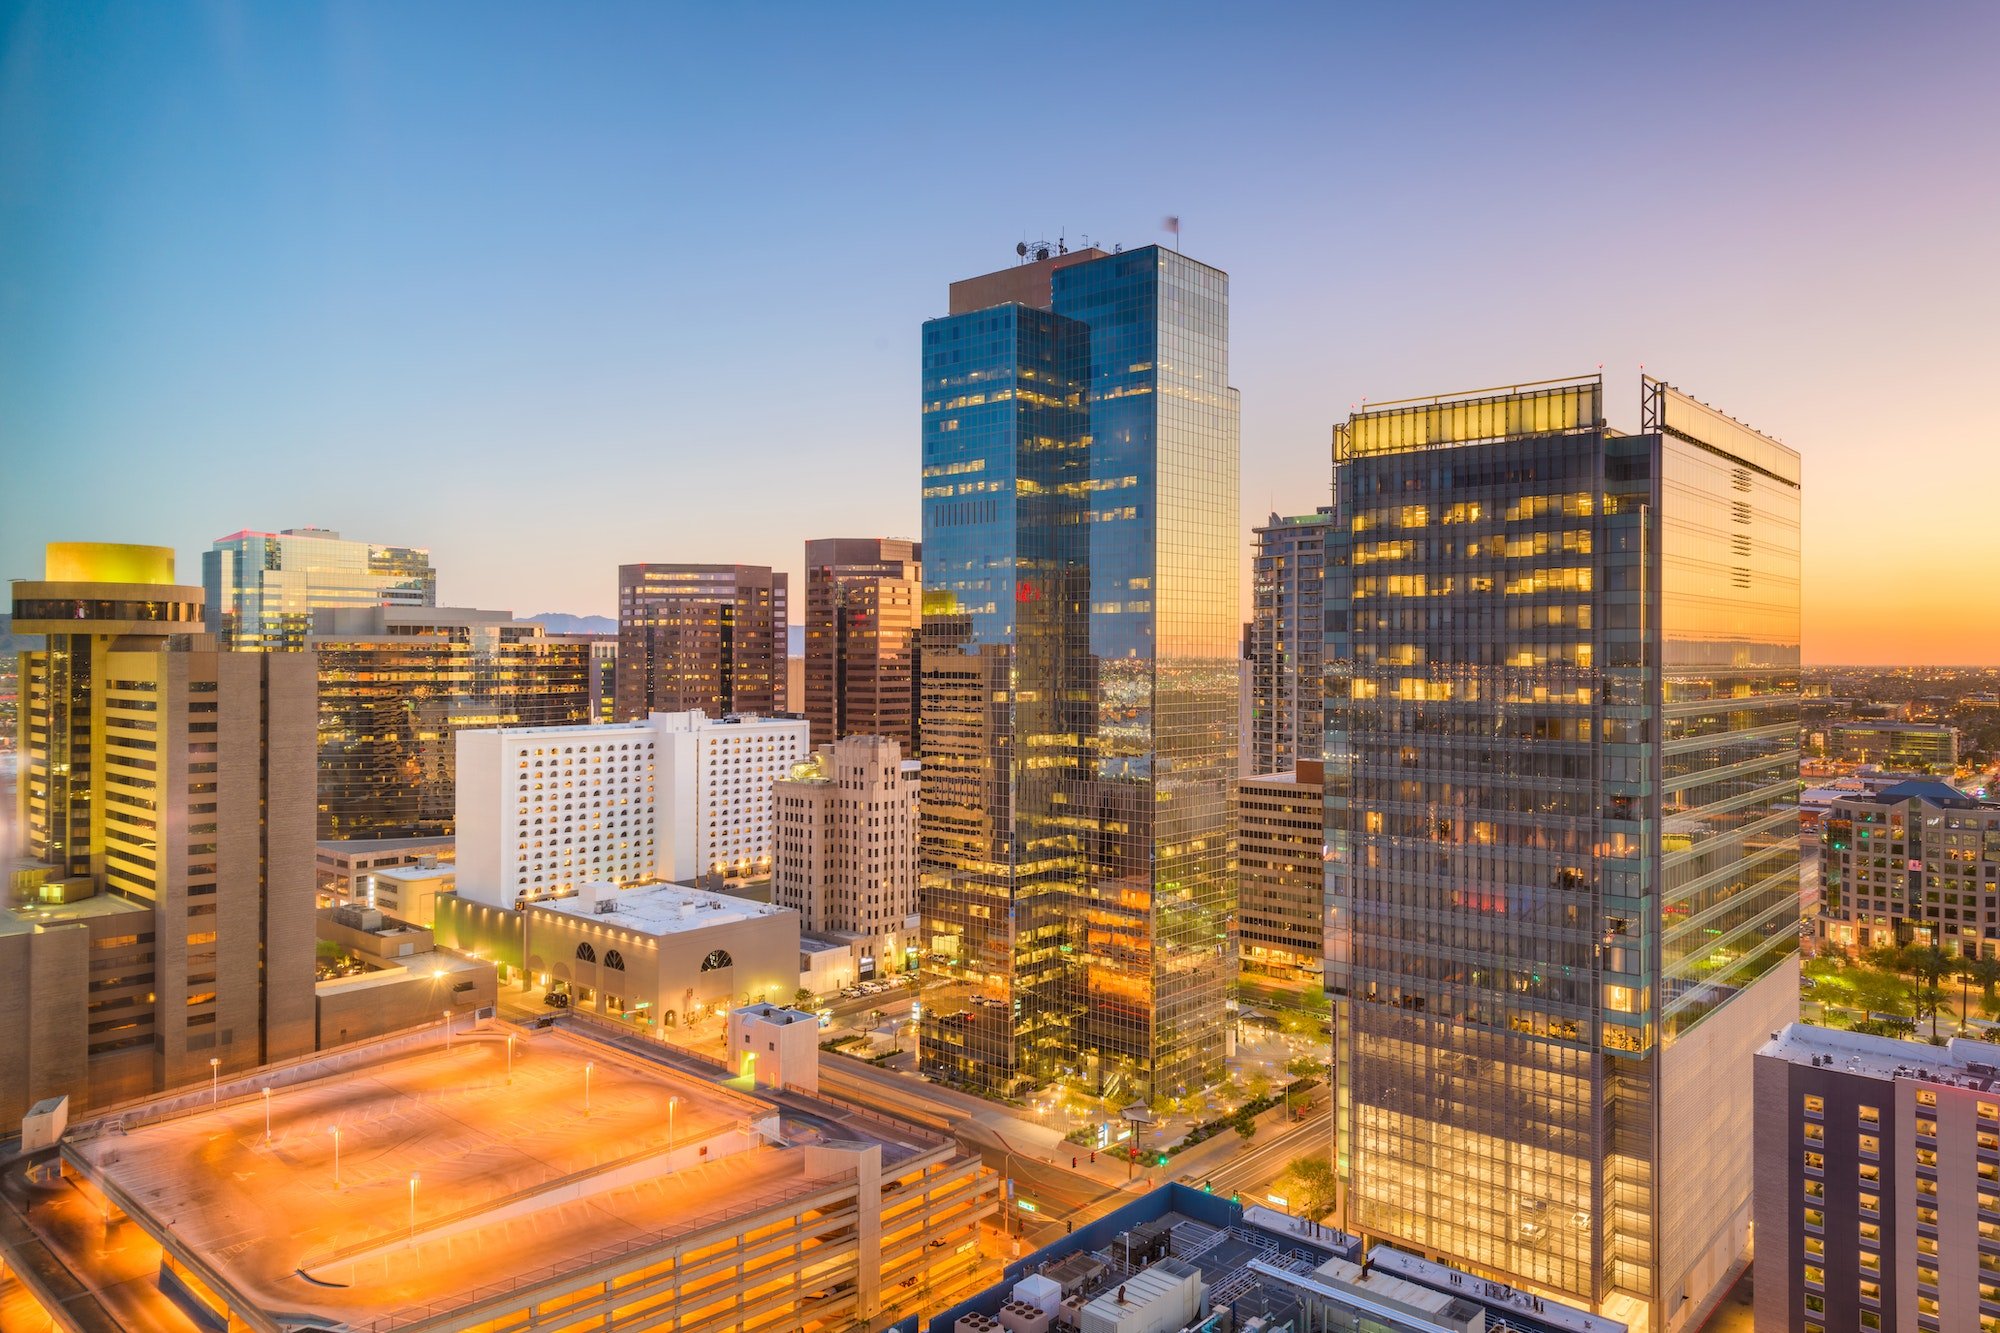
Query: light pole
{"type": "Point", "coordinates": [215, 1080]}
{"type": "Point", "coordinates": [447, 1029]}
{"type": "Point", "coordinates": [413, 1205]}
{"type": "Point", "coordinates": [335, 1131]}
{"type": "Point", "coordinates": [672, 1102]}
{"type": "Point", "coordinates": [587, 1067]}
{"type": "Point", "coordinates": [510, 1057]}
{"type": "Point", "coordinates": [267, 1115]}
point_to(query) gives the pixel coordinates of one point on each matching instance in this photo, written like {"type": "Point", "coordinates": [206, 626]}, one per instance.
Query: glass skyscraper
{"type": "Point", "coordinates": [261, 588]}
{"type": "Point", "coordinates": [1285, 640]}
{"type": "Point", "coordinates": [1080, 672]}
{"type": "Point", "coordinates": [1562, 836]}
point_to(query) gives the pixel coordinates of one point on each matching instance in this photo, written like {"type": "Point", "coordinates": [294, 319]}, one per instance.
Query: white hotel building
{"type": "Point", "coordinates": [543, 811]}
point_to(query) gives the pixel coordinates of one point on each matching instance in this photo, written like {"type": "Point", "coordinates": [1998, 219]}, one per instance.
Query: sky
{"type": "Point", "coordinates": [547, 288]}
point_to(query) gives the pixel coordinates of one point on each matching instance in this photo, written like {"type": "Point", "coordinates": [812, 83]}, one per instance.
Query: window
{"type": "Point", "coordinates": [614, 960]}
{"type": "Point", "coordinates": [717, 960]}
{"type": "Point", "coordinates": [585, 954]}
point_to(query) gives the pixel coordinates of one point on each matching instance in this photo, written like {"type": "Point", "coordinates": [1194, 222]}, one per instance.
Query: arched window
{"type": "Point", "coordinates": [718, 959]}
{"type": "Point", "coordinates": [585, 954]}
{"type": "Point", "coordinates": [614, 960]}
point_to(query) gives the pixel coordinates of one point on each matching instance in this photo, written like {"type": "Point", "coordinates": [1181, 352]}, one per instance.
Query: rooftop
{"type": "Point", "coordinates": [414, 874]}
{"type": "Point", "coordinates": [466, 1175]}
{"type": "Point", "coordinates": [665, 909]}
{"type": "Point", "coordinates": [34, 916]}
{"type": "Point", "coordinates": [1962, 1062]}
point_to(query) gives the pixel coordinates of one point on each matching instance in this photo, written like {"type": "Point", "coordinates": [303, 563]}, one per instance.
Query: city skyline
{"type": "Point", "coordinates": [472, 331]}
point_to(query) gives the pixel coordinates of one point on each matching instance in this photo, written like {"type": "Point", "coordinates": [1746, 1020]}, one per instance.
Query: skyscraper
{"type": "Point", "coordinates": [163, 918]}
{"type": "Point", "coordinates": [844, 847]}
{"type": "Point", "coordinates": [260, 589]}
{"type": "Point", "coordinates": [708, 637]}
{"type": "Point", "coordinates": [1285, 639]}
{"type": "Point", "coordinates": [864, 603]}
{"type": "Point", "coordinates": [397, 685]}
{"type": "Point", "coordinates": [1080, 671]}
{"type": "Point", "coordinates": [1561, 773]}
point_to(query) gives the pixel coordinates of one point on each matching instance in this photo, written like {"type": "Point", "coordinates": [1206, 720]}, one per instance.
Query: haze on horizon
{"type": "Point", "coordinates": [547, 290]}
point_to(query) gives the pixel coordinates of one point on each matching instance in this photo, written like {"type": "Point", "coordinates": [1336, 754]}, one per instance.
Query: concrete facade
{"type": "Point", "coordinates": [708, 637]}
{"type": "Point", "coordinates": [844, 855]}
{"type": "Point", "coordinates": [1280, 897]}
{"type": "Point", "coordinates": [779, 1046]}
{"type": "Point", "coordinates": [864, 611]}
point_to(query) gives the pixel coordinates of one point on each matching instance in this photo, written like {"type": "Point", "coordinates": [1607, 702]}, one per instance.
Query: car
{"type": "Point", "coordinates": [1580, 1220]}
{"type": "Point", "coordinates": [1533, 1230]}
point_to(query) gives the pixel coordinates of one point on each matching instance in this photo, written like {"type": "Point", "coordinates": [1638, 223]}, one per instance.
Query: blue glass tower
{"type": "Point", "coordinates": [1080, 525]}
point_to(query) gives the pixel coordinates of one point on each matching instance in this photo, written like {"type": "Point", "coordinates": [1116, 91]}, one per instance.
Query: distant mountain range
{"type": "Point", "coordinates": [11, 642]}
{"type": "Point", "coordinates": [557, 622]}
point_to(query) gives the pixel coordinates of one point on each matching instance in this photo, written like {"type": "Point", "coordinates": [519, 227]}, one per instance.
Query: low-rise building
{"type": "Point", "coordinates": [774, 1047]}
{"type": "Point", "coordinates": [1906, 747]}
{"type": "Point", "coordinates": [1877, 1184]}
{"type": "Point", "coordinates": [343, 866]}
{"type": "Point", "coordinates": [660, 956]}
{"type": "Point", "coordinates": [1916, 861]}
{"type": "Point", "coordinates": [409, 893]}
{"type": "Point", "coordinates": [379, 975]}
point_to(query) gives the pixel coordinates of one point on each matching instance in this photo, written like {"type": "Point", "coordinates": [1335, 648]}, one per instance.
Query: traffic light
{"type": "Point", "coordinates": [1162, 1160]}
{"type": "Point", "coordinates": [1208, 1187]}
{"type": "Point", "coordinates": [1236, 1198]}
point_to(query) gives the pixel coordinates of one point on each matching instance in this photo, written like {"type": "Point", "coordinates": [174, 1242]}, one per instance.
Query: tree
{"type": "Point", "coordinates": [1247, 1127]}
{"type": "Point", "coordinates": [803, 998]}
{"type": "Point", "coordinates": [1305, 1066]}
{"type": "Point", "coordinates": [1927, 965]}
{"type": "Point", "coordinates": [1314, 1187]}
{"type": "Point", "coordinates": [1260, 1084]}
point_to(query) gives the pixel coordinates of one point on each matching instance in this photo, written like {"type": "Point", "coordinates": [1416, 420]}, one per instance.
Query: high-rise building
{"type": "Point", "coordinates": [1877, 1184]}
{"type": "Point", "coordinates": [707, 637]}
{"type": "Point", "coordinates": [1916, 861]}
{"type": "Point", "coordinates": [1080, 672]}
{"type": "Point", "coordinates": [1281, 890]}
{"type": "Point", "coordinates": [1284, 641]}
{"type": "Point", "coordinates": [161, 924]}
{"type": "Point", "coordinates": [544, 811]}
{"type": "Point", "coordinates": [260, 589]}
{"type": "Point", "coordinates": [864, 605]}
{"type": "Point", "coordinates": [845, 854]}
{"type": "Point", "coordinates": [1562, 765]}
{"type": "Point", "coordinates": [397, 685]}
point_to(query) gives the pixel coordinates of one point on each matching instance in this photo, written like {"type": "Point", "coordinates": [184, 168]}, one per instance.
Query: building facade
{"type": "Point", "coordinates": [1562, 765]}
{"type": "Point", "coordinates": [845, 857]}
{"type": "Point", "coordinates": [1285, 638]}
{"type": "Point", "coordinates": [707, 637]}
{"type": "Point", "coordinates": [1080, 672]}
{"type": "Point", "coordinates": [1280, 894]}
{"type": "Point", "coordinates": [162, 916]}
{"type": "Point", "coordinates": [397, 685]}
{"type": "Point", "coordinates": [1900, 747]}
{"type": "Point", "coordinates": [542, 811]}
{"type": "Point", "coordinates": [1877, 1184]}
{"type": "Point", "coordinates": [260, 589]}
{"type": "Point", "coordinates": [864, 609]}
{"type": "Point", "coordinates": [1914, 862]}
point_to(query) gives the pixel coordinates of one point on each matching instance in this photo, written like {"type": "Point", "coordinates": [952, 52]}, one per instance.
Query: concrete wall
{"type": "Point", "coordinates": [783, 1042]}
{"type": "Point", "coordinates": [476, 818]}
{"type": "Point", "coordinates": [43, 978]}
{"type": "Point", "coordinates": [362, 1008]}
{"type": "Point", "coordinates": [665, 972]}
{"type": "Point", "coordinates": [1705, 1152]}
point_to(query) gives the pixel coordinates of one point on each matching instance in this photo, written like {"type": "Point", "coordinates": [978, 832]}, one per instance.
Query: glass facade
{"type": "Point", "coordinates": [1080, 678]}
{"type": "Point", "coordinates": [864, 600]}
{"type": "Point", "coordinates": [262, 588]}
{"type": "Point", "coordinates": [708, 637]}
{"type": "Point", "coordinates": [394, 696]}
{"type": "Point", "coordinates": [1562, 699]}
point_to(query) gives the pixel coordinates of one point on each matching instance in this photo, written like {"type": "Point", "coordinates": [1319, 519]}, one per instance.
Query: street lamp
{"type": "Point", "coordinates": [447, 1029]}
{"type": "Point", "coordinates": [510, 1056]}
{"type": "Point", "coordinates": [413, 1205]}
{"type": "Point", "coordinates": [587, 1067]}
{"type": "Point", "coordinates": [214, 1080]}
{"type": "Point", "coordinates": [267, 1115]}
{"type": "Point", "coordinates": [335, 1131]}
{"type": "Point", "coordinates": [672, 1102]}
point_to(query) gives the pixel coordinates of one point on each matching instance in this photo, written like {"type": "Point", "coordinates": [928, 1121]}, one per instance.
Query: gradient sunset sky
{"type": "Point", "coordinates": [550, 287]}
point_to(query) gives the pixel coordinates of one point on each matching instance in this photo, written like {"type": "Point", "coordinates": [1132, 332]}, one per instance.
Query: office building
{"type": "Point", "coordinates": [1901, 747]}
{"type": "Point", "coordinates": [845, 857]}
{"type": "Point", "coordinates": [1914, 862]}
{"type": "Point", "coordinates": [532, 1179]}
{"type": "Point", "coordinates": [260, 589]}
{"type": "Point", "coordinates": [1285, 637]}
{"type": "Point", "coordinates": [706, 637]}
{"type": "Point", "coordinates": [1877, 1184]}
{"type": "Point", "coordinates": [345, 870]}
{"type": "Point", "coordinates": [864, 605]}
{"type": "Point", "coordinates": [161, 918]}
{"type": "Point", "coordinates": [1280, 893]}
{"type": "Point", "coordinates": [1080, 672]}
{"type": "Point", "coordinates": [543, 811]}
{"type": "Point", "coordinates": [397, 685]}
{"type": "Point", "coordinates": [1562, 766]}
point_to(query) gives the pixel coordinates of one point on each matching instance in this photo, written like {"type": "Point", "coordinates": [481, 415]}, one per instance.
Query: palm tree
{"type": "Point", "coordinates": [1979, 968]}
